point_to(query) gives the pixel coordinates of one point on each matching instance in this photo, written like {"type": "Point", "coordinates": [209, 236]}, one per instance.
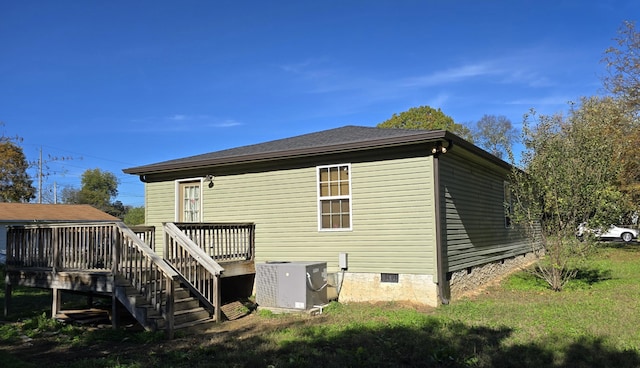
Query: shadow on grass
{"type": "Point", "coordinates": [530, 280]}
{"type": "Point", "coordinates": [429, 342]}
{"type": "Point", "coordinates": [631, 247]}
{"type": "Point", "coordinates": [418, 341]}
{"type": "Point", "coordinates": [592, 276]}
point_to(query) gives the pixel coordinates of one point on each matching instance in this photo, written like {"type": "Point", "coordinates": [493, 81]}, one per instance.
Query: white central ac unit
{"type": "Point", "coordinates": [291, 285]}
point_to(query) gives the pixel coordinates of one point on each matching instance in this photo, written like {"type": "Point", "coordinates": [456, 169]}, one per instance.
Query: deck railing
{"type": "Point", "coordinates": [108, 247]}
{"type": "Point", "coordinates": [192, 252]}
{"type": "Point", "coordinates": [147, 272]}
{"type": "Point", "coordinates": [146, 233]}
{"type": "Point", "coordinates": [224, 242]}
{"type": "Point", "coordinates": [29, 247]}
{"type": "Point", "coordinates": [61, 247]}
{"type": "Point", "coordinates": [199, 271]}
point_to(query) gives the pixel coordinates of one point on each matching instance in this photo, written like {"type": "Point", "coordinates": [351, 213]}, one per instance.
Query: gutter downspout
{"type": "Point", "coordinates": [442, 264]}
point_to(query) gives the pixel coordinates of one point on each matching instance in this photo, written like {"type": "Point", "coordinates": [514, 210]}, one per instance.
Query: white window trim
{"type": "Point", "coordinates": [319, 199]}
{"type": "Point", "coordinates": [176, 210]}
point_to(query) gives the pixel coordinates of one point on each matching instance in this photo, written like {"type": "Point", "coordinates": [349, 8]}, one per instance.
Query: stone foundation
{"type": "Point", "coordinates": [367, 287]}
{"type": "Point", "coordinates": [470, 281]}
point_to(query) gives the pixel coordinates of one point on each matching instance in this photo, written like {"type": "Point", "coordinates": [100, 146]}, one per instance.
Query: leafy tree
{"type": "Point", "coordinates": [496, 134]}
{"type": "Point", "coordinates": [623, 64]}
{"type": "Point", "coordinates": [623, 80]}
{"type": "Point", "coordinates": [571, 166]}
{"type": "Point", "coordinates": [98, 188]}
{"type": "Point", "coordinates": [135, 216]}
{"type": "Point", "coordinates": [621, 130]}
{"type": "Point", "coordinates": [15, 183]}
{"type": "Point", "coordinates": [630, 161]}
{"type": "Point", "coordinates": [117, 209]}
{"type": "Point", "coordinates": [426, 118]}
{"type": "Point", "coordinates": [70, 195]}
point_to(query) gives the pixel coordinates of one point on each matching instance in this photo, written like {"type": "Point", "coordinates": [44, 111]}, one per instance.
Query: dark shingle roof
{"type": "Point", "coordinates": [344, 139]}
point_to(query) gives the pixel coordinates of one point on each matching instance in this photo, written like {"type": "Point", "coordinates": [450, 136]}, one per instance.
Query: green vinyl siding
{"type": "Point", "coordinates": [473, 214]}
{"type": "Point", "coordinates": [160, 200]}
{"type": "Point", "coordinates": [392, 214]}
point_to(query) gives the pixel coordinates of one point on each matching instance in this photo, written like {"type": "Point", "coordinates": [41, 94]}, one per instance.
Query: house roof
{"type": "Point", "coordinates": [32, 212]}
{"type": "Point", "coordinates": [345, 139]}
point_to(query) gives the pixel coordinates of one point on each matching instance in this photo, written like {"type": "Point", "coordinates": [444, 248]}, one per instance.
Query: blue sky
{"type": "Point", "coordinates": [116, 84]}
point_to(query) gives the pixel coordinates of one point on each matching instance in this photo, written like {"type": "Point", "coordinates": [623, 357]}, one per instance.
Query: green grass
{"type": "Point", "coordinates": [594, 322]}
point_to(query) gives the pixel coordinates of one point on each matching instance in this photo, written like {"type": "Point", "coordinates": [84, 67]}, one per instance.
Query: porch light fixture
{"type": "Point", "coordinates": [440, 149]}
{"type": "Point", "coordinates": [210, 178]}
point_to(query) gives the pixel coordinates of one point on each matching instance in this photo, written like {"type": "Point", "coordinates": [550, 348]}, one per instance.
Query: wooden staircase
{"type": "Point", "coordinates": [188, 313]}
{"type": "Point", "coordinates": [180, 291]}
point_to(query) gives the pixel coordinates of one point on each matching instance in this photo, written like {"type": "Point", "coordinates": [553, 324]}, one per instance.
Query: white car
{"type": "Point", "coordinates": [612, 233]}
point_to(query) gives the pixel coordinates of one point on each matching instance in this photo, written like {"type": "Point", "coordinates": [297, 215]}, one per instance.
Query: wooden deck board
{"type": "Point", "coordinates": [85, 281]}
{"type": "Point", "coordinates": [91, 316]}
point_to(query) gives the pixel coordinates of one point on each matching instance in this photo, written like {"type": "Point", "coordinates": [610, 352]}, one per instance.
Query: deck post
{"type": "Point", "coordinates": [169, 310]}
{"type": "Point", "coordinates": [115, 310]}
{"type": "Point", "coordinates": [165, 247]}
{"type": "Point", "coordinates": [56, 303]}
{"type": "Point", "coordinates": [7, 295]}
{"type": "Point", "coordinates": [218, 298]}
{"type": "Point", "coordinates": [55, 242]}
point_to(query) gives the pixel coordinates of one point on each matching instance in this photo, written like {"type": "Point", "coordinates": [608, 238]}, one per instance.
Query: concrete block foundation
{"type": "Point", "coordinates": [375, 287]}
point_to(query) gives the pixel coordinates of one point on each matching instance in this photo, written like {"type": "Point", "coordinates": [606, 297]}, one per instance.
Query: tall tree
{"type": "Point", "coordinates": [571, 166]}
{"type": "Point", "coordinates": [623, 81]}
{"type": "Point", "coordinates": [70, 195]}
{"type": "Point", "coordinates": [15, 183]}
{"type": "Point", "coordinates": [623, 65]}
{"type": "Point", "coordinates": [98, 189]}
{"type": "Point", "coordinates": [612, 119]}
{"type": "Point", "coordinates": [496, 134]}
{"type": "Point", "coordinates": [134, 216]}
{"type": "Point", "coordinates": [426, 118]}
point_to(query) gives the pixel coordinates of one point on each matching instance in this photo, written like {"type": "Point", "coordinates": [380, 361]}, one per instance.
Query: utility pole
{"type": "Point", "coordinates": [41, 164]}
{"type": "Point", "coordinates": [40, 177]}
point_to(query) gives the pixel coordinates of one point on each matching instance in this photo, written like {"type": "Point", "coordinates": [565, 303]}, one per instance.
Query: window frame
{"type": "Point", "coordinates": [178, 212]}
{"type": "Point", "coordinates": [320, 199]}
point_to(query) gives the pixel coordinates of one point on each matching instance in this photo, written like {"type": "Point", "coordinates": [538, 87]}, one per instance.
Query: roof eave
{"type": "Point", "coordinates": [426, 137]}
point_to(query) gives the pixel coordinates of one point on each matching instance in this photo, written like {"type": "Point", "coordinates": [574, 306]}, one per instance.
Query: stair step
{"type": "Point", "coordinates": [186, 321]}
{"type": "Point", "coordinates": [188, 312]}
{"type": "Point", "coordinates": [197, 325]}
{"type": "Point", "coordinates": [190, 315]}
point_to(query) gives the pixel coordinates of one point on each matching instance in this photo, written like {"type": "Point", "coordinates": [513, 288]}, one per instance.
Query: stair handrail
{"type": "Point", "coordinates": [146, 250]}
{"type": "Point", "coordinates": [205, 285]}
{"type": "Point", "coordinates": [149, 273]}
{"type": "Point", "coordinates": [193, 248]}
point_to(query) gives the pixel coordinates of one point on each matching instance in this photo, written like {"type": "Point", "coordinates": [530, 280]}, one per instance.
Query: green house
{"type": "Point", "coordinates": [404, 215]}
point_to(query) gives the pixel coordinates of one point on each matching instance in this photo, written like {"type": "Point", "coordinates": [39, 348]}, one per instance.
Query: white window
{"type": "Point", "coordinates": [189, 203]}
{"type": "Point", "coordinates": [334, 197]}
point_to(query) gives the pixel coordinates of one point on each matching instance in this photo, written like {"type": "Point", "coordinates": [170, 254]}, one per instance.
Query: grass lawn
{"type": "Point", "coordinates": [520, 323]}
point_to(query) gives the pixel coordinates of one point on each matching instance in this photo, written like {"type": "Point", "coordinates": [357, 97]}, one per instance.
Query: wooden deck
{"type": "Point", "coordinates": [111, 259]}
